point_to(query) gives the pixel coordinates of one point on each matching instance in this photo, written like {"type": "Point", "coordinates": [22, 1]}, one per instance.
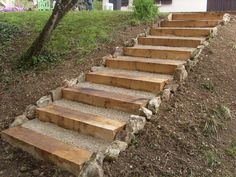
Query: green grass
{"type": "Point", "coordinates": [78, 33]}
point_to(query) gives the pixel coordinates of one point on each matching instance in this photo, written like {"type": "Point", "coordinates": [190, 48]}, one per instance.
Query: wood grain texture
{"type": "Point", "coordinates": [76, 120]}
{"type": "Point", "coordinates": [46, 148]}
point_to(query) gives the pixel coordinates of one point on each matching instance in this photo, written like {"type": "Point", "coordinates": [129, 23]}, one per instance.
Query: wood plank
{"type": "Point", "coordinates": [143, 83]}
{"type": "Point", "coordinates": [190, 23]}
{"type": "Point", "coordinates": [197, 16]}
{"type": "Point", "coordinates": [46, 148]}
{"type": "Point", "coordinates": [89, 124]}
{"type": "Point", "coordinates": [184, 32]}
{"type": "Point", "coordinates": [170, 41]}
{"type": "Point", "coordinates": [105, 99]}
{"type": "Point", "coordinates": [144, 64]}
{"type": "Point", "coordinates": [159, 52]}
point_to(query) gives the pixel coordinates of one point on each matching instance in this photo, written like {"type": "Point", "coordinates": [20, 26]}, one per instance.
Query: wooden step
{"type": "Point", "coordinates": [144, 64]}
{"type": "Point", "coordinates": [66, 156]}
{"type": "Point", "coordinates": [145, 82]}
{"type": "Point", "coordinates": [184, 32]}
{"type": "Point", "coordinates": [105, 99]}
{"type": "Point", "coordinates": [197, 16]}
{"type": "Point", "coordinates": [171, 41]}
{"type": "Point", "coordinates": [176, 53]}
{"type": "Point", "coordinates": [85, 123]}
{"type": "Point", "coordinates": [190, 23]}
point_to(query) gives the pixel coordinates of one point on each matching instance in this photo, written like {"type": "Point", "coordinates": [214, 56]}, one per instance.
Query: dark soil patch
{"type": "Point", "coordinates": [174, 143]}
{"type": "Point", "coordinates": [27, 87]}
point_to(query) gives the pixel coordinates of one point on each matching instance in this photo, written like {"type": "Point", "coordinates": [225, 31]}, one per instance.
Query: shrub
{"type": "Point", "coordinates": [145, 10]}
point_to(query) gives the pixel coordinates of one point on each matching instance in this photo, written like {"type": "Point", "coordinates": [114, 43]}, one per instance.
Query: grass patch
{"type": "Point", "coordinates": [79, 33]}
{"type": "Point", "coordinates": [231, 151]}
{"type": "Point", "coordinates": [212, 159]}
{"type": "Point", "coordinates": [208, 85]}
{"type": "Point", "coordinates": [214, 120]}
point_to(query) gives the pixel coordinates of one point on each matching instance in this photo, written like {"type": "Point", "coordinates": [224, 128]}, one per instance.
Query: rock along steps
{"type": "Point", "coordinates": [90, 114]}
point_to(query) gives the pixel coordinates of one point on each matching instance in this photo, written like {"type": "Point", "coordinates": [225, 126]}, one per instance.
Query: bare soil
{"type": "Point", "coordinates": [27, 87]}
{"type": "Point", "coordinates": [174, 143]}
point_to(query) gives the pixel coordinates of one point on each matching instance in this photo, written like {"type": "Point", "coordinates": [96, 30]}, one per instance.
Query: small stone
{"type": "Point", "coordinates": [214, 32]}
{"type": "Point", "coordinates": [145, 112]}
{"type": "Point", "coordinates": [118, 52]}
{"type": "Point", "coordinates": [56, 94]}
{"type": "Point", "coordinates": [36, 172]}
{"type": "Point", "coordinates": [19, 120]}
{"type": "Point", "coordinates": [135, 124]}
{"type": "Point", "coordinates": [226, 18]}
{"type": "Point", "coordinates": [180, 73]}
{"type": "Point", "coordinates": [166, 94]}
{"type": "Point", "coordinates": [154, 104]}
{"type": "Point", "coordinates": [44, 101]}
{"type": "Point", "coordinates": [191, 64]}
{"type": "Point", "coordinates": [70, 83]}
{"type": "Point", "coordinates": [96, 68]}
{"type": "Point", "coordinates": [30, 111]}
{"type": "Point", "coordinates": [93, 167]}
{"type": "Point", "coordinates": [125, 135]}
{"type": "Point", "coordinates": [205, 43]}
{"type": "Point", "coordinates": [105, 58]}
{"type": "Point", "coordinates": [130, 43]}
{"type": "Point", "coordinates": [113, 150]}
{"type": "Point", "coordinates": [172, 86]}
{"type": "Point", "coordinates": [23, 169]}
{"type": "Point", "coordinates": [81, 78]}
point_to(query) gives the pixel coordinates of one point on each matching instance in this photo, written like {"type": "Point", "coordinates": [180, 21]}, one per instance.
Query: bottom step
{"type": "Point", "coordinates": [66, 156]}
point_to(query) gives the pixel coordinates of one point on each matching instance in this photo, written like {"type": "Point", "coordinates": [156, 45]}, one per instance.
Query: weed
{"type": "Point", "coordinates": [212, 159]}
{"type": "Point", "coordinates": [234, 46]}
{"type": "Point", "coordinates": [231, 151]}
{"type": "Point", "coordinates": [208, 85]}
{"type": "Point", "coordinates": [134, 142]}
{"type": "Point", "coordinates": [211, 126]}
{"type": "Point", "coordinates": [222, 112]}
{"type": "Point", "coordinates": [145, 10]}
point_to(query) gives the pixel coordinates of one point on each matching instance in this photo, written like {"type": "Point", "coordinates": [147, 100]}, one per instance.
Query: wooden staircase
{"type": "Point", "coordinates": [98, 108]}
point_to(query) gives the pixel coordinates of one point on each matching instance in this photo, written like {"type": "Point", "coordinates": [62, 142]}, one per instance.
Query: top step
{"type": "Point", "coordinates": [190, 23]}
{"type": "Point", "coordinates": [197, 16]}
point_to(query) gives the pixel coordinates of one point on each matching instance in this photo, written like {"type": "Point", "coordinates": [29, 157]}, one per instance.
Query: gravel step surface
{"type": "Point", "coordinates": [118, 90]}
{"type": "Point", "coordinates": [67, 136]}
{"type": "Point", "coordinates": [108, 113]}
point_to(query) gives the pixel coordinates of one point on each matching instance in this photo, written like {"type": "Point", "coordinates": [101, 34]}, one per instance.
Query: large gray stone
{"type": "Point", "coordinates": [44, 101]}
{"type": "Point", "coordinates": [112, 152]}
{"type": "Point", "coordinates": [180, 73]}
{"type": "Point", "coordinates": [30, 111]}
{"type": "Point", "coordinates": [135, 124]}
{"type": "Point", "coordinates": [19, 120]}
{"type": "Point", "coordinates": [145, 112]}
{"type": "Point", "coordinates": [56, 94]}
{"type": "Point", "coordinates": [93, 168]}
{"type": "Point", "coordinates": [154, 104]}
{"type": "Point", "coordinates": [118, 52]}
{"type": "Point", "coordinates": [166, 94]}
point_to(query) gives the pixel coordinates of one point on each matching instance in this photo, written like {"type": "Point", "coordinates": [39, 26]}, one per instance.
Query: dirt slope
{"type": "Point", "coordinates": [175, 143]}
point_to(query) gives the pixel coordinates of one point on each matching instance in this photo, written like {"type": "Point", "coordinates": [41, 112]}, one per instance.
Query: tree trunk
{"type": "Point", "coordinates": [60, 10]}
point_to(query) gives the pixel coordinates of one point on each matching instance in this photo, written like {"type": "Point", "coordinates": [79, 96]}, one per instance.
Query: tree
{"type": "Point", "coordinates": [60, 10]}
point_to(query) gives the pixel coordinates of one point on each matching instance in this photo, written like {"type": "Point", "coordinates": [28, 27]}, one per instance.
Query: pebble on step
{"type": "Point", "coordinates": [30, 111]}
{"type": "Point", "coordinates": [19, 120]}
{"type": "Point", "coordinates": [44, 101]}
{"type": "Point", "coordinates": [113, 150]}
{"type": "Point", "coordinates": [154, 104]}
{"type": "Point", "coordinates": [93, 167]}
